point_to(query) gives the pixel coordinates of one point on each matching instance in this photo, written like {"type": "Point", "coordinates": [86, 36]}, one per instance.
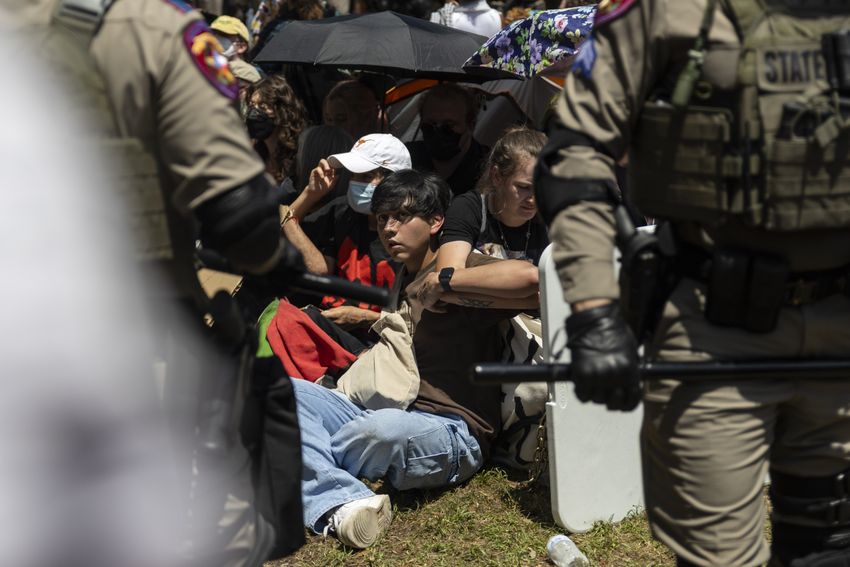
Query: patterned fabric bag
{"type": "Point", "coordinates": [524, 403]}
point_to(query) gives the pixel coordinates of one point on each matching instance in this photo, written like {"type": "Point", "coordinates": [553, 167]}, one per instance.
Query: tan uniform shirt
{"type": "Point", "coordinates": [169, 87]}
{"type": "Point", "coordinates": [162, 97]}
{"type": "Point", "coordinates": [637, 53]}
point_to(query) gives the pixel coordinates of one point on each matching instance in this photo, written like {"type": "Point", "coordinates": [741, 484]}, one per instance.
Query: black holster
{"type": "Point", "coordinates": [646, 277]}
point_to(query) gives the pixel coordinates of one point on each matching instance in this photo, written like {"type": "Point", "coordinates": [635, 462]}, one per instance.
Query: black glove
{"type": "Point", "coordinates": [604, 358]}
{"type": "Point", "coordinates": [243, 225]}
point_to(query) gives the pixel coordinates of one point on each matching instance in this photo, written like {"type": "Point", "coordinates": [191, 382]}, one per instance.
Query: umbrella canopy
{"type": "Point", "coordinates": [532, 97]}
{"type": "Point", "coordinates": [384, 42]}
{"type": "Point", "coordinates": [509, 103]}
{"type": "Point", "coordinates": [545, 42]}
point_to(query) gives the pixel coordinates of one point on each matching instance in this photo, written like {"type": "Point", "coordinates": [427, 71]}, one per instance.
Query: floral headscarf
{"type": "Point", "coordinates": [545, 41]}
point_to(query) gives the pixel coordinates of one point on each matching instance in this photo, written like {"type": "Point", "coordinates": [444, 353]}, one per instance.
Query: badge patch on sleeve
{"type": "Point", "coordinates": [207, 55]}
{"type": "Point", "coordinates": [610, 10]}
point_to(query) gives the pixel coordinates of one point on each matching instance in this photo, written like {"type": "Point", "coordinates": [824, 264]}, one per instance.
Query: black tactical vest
{"type": "Point", "coordinates": [775, 152]}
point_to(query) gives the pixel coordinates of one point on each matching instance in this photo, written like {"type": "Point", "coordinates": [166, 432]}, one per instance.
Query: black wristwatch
{"type": "Point", "coordinates": [446, 278]}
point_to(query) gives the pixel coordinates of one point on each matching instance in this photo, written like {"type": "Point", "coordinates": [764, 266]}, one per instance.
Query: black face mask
{"type": "Point", "coordinates": [442, 143]}
{"type": "Point", "coordinates": [260, 125]}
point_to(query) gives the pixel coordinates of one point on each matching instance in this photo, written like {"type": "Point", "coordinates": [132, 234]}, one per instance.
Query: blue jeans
{"type": "Point", "coordinates": [341, 443]}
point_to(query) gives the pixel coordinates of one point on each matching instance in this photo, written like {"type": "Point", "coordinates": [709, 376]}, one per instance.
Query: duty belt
{"type": "Point", "coordinates": [801, 288]}
{"type": "Point", "coordinates": [826, 498]}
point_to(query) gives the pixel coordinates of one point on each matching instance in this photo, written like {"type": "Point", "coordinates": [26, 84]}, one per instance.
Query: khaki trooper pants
{"type": "Point", "coordinates": [706, 445]}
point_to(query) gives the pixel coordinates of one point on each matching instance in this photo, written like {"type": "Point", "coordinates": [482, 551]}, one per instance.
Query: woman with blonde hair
{"type": "Point", "coordinates": [498, 219]}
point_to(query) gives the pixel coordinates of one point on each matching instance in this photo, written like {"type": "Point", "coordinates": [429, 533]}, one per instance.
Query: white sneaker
{"type": "Point", "coordinates": [359, 523]}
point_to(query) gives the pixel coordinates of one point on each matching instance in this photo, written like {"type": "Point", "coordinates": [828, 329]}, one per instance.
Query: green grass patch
{"type": "Point", "coordinates": [492, 520]}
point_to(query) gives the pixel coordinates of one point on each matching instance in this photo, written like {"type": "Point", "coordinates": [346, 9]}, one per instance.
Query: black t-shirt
{"type": "Point", "coordinates": [465, 176]}
{"type": "Point", "coordinates": [463, 223]}
{"type": "Point", "coordinates": [339, 232]}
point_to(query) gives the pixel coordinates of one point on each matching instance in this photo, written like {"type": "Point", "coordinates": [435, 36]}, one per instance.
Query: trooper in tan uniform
{"type": "Point", "coordinates": [723, 143]}
{"type": "Point", "coordinates": [154, 83]}
{"type": "Point", "coordinates": [187, 121]}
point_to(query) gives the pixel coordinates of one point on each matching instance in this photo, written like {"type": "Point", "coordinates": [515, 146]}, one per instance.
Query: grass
{"type": "Point", "coordinates": [492, 520]}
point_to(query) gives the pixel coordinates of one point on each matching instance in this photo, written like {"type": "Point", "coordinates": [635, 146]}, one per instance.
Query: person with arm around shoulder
{"type": "Point", "coordinates": [451, 420]}
{"type": "Point", "coordinates": [499, 220]}
{"type": "Point", "coordinates": [341, 237]}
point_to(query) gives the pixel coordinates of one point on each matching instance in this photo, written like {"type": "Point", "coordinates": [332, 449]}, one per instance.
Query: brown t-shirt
{"type": "Point", "coordinates": [446, 346]}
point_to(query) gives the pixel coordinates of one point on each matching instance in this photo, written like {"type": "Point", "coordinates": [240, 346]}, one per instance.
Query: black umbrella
{"type": "Point", "coordinates": [385, 42]}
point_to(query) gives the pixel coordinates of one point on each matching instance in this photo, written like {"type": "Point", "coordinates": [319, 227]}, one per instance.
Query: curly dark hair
{"type": "Point", "coordinates": [291, 118]}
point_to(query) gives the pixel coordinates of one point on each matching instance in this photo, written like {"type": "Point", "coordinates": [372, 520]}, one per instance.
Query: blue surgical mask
{"type": "Point", "coordinates": [228, 48]}
{"type": "Point", "coordinates": [360, 196]}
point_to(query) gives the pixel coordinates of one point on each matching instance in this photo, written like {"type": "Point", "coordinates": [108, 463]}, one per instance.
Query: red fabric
{"type": "Point", "coordinates": [357, 267]}
{"type": "Point", "coordinates": [305, 350]}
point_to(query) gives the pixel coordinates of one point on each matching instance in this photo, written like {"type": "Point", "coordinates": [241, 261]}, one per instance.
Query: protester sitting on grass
{"type": "Point", "coordinates": [447, 121]}
{"type": "Point", "coordinates": [275, 118]}
{"type": "Point", "coordinates": [352, 106]}
{"type": "Point", "coordinates": [316, 143]}
{"type": "Point", "coordinates": [499, 219]}
{"type": "Point", "coordinates": [444, 436]}
{"type": "Point", "coordinates": [341, 238]}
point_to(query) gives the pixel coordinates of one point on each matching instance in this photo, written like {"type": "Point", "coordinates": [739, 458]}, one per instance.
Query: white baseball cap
{"type": "Point", "coordinates": [373, 151]}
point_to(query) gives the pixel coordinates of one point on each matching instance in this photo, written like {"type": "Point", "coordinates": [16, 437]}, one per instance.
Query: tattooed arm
{"type": "Point", "coordinates": [479, 301]}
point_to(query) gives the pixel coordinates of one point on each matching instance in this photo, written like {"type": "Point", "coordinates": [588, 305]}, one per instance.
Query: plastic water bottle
{"type": "Point", "coordinates": [564, 553]}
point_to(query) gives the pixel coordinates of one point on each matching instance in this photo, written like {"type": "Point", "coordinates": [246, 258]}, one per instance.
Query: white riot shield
{"type": "Point", "coordinates": [594, 455]}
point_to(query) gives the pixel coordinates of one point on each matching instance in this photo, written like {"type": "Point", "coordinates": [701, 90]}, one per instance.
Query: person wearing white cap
{"type": "Point", "coordinates": [369, 160]}
{"type": "Point", "coordinates": [340, 238]}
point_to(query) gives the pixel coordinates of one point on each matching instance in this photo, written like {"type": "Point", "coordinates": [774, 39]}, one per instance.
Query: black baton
{"type": "Point", "coordinates": [828, 369]}
{"type": "Point", "coordinates": [331, 285]}
{"type": "Point", "coordinates": [295, 276]}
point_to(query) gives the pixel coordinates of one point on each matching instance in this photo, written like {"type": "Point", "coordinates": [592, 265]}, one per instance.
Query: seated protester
{"type": "Point", "coordinates": [447, 120]}
{"type": "Point", "coordinates": [499, 219]}
{"type": "Point", "coordinates": [340, 238]}
{"type": "Point", "coordinates": [352, 106]}
{"type": "Point", "coordinates": [444, 436]}
{"type": "Point", "coordinates": [235, 40]}
{"type": "Point", "coordinates": [275, 118]}
{"type": "Point", "coordinates": [316, 143]}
